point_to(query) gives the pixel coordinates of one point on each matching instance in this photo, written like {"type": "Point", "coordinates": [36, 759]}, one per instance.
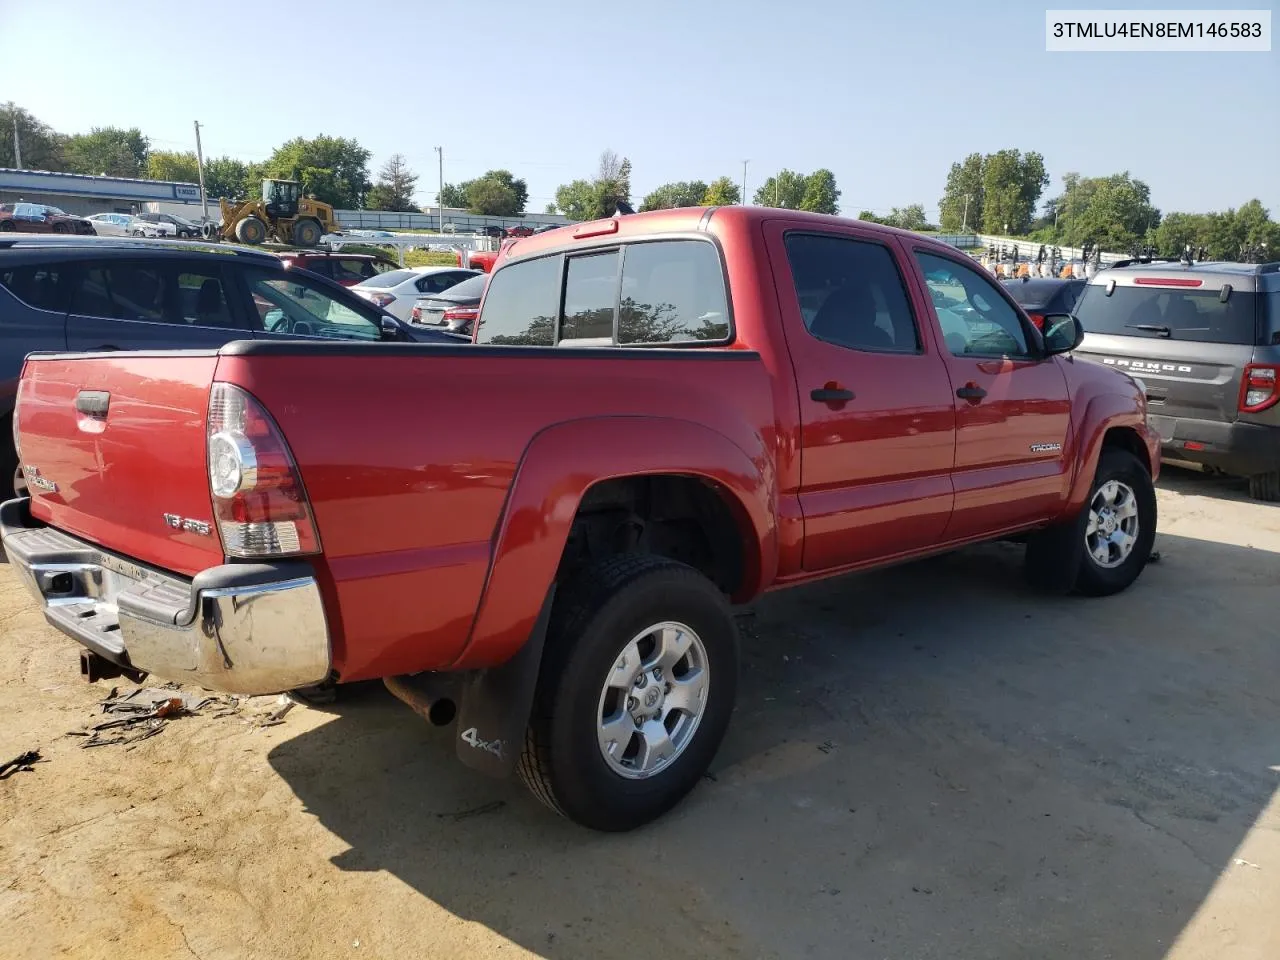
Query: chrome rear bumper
{"type": "Point", "coordinates": [241, 628]}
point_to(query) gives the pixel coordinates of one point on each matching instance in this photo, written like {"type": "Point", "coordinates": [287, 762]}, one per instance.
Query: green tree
{"type": "Point", "coordinates": [870, 217]}
{"type": "Point", "coordinates": [1231, 235]}
{"type": "Point", "coordinates": [1011, 186]}
{"type": "Point", "coordinates": [333, 169]}
{"type": "Point", "coordinates": [1114, 212]}
{"type": "Point", "coordinates": [107, 150]}
{"type": "Point", "coordinates": [395, 186]}
{"type": "Point", "coordinates": [452, 195]}
{"type": "Point", "coordinates": [173, 165]}
{"type": "Point", "coordinates": [722, 192]}
{"type": "Point", "coordinates": [227, 177]}
{"type": "Point", "coordinates": [598, 198]}
{"type": "Point", "coordinates": [497, 193]}
{"type": "Point", "coordinates": [961, 203]}
{"type": "Point", "coordinates": [909, 218]}
{"type": "Point", "coordinates": [786, 191]}
{"type": "Point", "coordinates": [578, 200]}
{"type": "Point", "coordinates": [820, 193]}
{"type": "Point", "coordinates": [682, 193]}
{"type": "Point", "coordinates": [42, 146]}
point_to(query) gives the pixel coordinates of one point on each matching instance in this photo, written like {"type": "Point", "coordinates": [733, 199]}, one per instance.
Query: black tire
{"type": "Point", "coordinates": [593, 619]}
{"type": "Point", "coordinates": [1056, 558]}
{"type": "Point", "coordinates": [1265, 487]}
{"type": "Point", "coordinates": [6, 226]}
{"type": "Point", "coordinates": [307, 232]}
{"type": "Point", "coordinates": [61, 228]}
{"type": "Point", "coordinates": [251, 230]}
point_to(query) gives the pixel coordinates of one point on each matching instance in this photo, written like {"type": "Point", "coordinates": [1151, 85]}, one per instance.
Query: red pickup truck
{"type": "Point", "coordinates": [662, 414]}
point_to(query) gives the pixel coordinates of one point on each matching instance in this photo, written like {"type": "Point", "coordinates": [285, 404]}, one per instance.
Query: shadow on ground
{"type": "Point", "coordinates": [1192, 481]}
{"type": "Point", "coordinates": [925, 762]}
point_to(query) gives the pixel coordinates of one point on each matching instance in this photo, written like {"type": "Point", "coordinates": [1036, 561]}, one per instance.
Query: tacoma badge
{"type": "Point", "coordinates": [198, 527]}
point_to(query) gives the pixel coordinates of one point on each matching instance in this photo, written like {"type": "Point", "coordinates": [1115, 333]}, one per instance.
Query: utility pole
{"type": "Point", "coordinates": [17, 144]}
{"type": "Point", "coordinates": [964, 223]}
{"type": "Point", "coordinates": [744, 182]}
{"type": "Point", "coordinates": [440, 195]}
{"type": "Point", "coordinates": [204, 197]}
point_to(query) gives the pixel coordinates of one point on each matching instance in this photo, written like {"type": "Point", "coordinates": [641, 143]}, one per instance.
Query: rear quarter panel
{"type": "Point", "coordinates": [409, 467]}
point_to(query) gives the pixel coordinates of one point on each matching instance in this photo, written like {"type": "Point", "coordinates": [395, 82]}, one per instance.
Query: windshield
{"type": "Point", "coordinates": [180, 221]}
{"type": "Point", "coordinates": [1169, 312]}
{"type": "Point", "coordinates": [392, 278]}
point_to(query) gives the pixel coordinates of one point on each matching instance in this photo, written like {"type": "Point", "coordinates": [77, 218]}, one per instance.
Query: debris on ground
{"type": "Point", "coordinates": [19, 764]}
{"type": "Point", "coordinates": [146, 711]}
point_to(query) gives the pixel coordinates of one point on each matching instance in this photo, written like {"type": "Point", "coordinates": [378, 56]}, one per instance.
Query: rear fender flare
{"type": "Point", "coordinates": [556, 470]}
{"type": "Point", "coordinates": [1104, 412]}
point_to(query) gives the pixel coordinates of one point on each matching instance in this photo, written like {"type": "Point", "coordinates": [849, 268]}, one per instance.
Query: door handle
{"type": "Point", "coordinates": [831, 394]}
{"type": "Point", "coordinates": [971, 391]}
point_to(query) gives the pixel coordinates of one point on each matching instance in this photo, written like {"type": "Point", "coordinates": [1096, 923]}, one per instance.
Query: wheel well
{"type": "Point", "coordinates": [1125, 438]}
{"type": "Point", "coordinates": [685, 518]}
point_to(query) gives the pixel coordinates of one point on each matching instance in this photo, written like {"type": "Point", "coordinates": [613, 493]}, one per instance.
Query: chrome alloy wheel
{"type": "Point", "coordinates": [653, 700]}
{"type": "Point", "coordinates": [1113, 524]}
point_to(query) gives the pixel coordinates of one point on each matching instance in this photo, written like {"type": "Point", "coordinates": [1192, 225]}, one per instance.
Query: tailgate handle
{"type": "Point", "coordinates": [93, 403]}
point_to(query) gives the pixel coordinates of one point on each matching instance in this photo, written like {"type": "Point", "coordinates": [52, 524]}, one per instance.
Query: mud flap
{"type": "Point", "coordinates": [494, 705]}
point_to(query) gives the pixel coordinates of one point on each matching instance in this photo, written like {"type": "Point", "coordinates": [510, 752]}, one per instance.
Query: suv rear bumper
{"type": "Point", "coordinates": [1242, 449]}
{"type": "Point", "coordinates": [241, 628]}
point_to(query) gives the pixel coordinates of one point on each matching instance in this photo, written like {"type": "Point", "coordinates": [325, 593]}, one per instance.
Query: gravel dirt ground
{"type": "Point", "coordinates": [926, 762]}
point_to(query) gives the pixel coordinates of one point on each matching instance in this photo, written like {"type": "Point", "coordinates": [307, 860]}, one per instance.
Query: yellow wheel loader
{"type": "Point", "coordinates": [283, 215]}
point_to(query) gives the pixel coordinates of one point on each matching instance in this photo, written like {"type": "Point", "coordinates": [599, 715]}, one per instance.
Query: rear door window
{"type": "Point", "coordinates": [672, 292]}
{"type": "Point", "coordinates": [1173, 313]}
{"type": "Point", "coordinates": [46, 287]}
{"type": "Point", "coordinates": [520, 305]}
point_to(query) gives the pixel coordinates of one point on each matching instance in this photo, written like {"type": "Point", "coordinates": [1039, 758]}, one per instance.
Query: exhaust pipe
{"type": "Point", "coordinates": [429, 697]}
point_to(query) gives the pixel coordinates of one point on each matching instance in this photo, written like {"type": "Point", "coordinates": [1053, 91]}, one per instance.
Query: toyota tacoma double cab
{"type": "Point", "coordinates": [661, 415]}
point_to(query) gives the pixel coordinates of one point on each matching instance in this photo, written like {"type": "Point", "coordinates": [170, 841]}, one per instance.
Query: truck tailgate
{"type": "Point", "coordinates": [113, 447]}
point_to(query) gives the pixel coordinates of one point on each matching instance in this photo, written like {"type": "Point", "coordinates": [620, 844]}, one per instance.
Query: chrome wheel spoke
{"type": "Point", "coordinates": [1127, 508]}
{"type": "Point", "coordinates": [625, 668]}
{"type": "Point", "coordinates": [688, 693]}
{"type": "Point", "coordinates": [656, 747]}
{"type": "Point", "coordinates": [673, 644]}
{"type": "Point", "coordinates": [616, 734]}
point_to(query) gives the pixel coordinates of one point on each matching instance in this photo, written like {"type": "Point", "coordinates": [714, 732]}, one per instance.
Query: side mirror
{"type": "Point", "coordinates": [1062, 333]}
{"type": "Point", "coordinates": [390, 327]}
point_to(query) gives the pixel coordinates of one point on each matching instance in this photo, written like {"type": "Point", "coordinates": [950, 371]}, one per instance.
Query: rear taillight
{"type": "Point", "coordinates": [259, 502]}
{"type": "Point", "coordinates": [416, 314]}
{"type": "Point", "coordinates": [460, 313]}
{"type": "Point", "coordinates": [17, 443]}
{"type": "Point", "coordinates": [1260, 388]}
{"type": "Point", "coordinates": [379, 299]}
{"type": "Point", "coordinates": [1038, 320]}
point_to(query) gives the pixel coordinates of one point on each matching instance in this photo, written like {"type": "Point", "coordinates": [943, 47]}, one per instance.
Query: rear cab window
{"type": "Point", "coordinates": [43, 286]}
{"type": "Point", "coordinates": [1197, 314]}
{"type": "Point", "coordinates": [655, 293]}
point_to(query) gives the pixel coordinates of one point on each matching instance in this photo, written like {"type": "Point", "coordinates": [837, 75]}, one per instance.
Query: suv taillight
{"type": "Point", "coordinates": [259, 502]}
{"type": "Point", "coordinates": [1038, 320]}
{"type": "Point", "coordinates": [1260, 388]}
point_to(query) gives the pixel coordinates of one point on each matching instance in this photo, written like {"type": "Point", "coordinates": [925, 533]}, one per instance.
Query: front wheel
{"type": "Point", "coordinates": [634, 693]}
{"type": "Point", "coordinates": [306, 232]}
{"type": "Point", "coordinates": [251, 230]}
{"type": "Point", "coordinates": [1104, 550]}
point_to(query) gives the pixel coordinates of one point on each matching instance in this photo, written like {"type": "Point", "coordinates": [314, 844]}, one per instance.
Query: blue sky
{"type": "Point", "coordinates": [885, 94]}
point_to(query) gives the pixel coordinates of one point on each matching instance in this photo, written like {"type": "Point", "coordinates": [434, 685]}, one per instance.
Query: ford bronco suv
{"type": "Point", "coordinates": [1204, 338]}
{"type": "Point", "coordinates": [662, 414]}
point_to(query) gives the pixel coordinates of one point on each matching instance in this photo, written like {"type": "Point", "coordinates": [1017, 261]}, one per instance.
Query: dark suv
{"type": "Point", "coordinates": [104, 293]}
{"type": "Point", "coordinates": [1205, 340]}
{"type": "Point", "coordinates": [347, 269]}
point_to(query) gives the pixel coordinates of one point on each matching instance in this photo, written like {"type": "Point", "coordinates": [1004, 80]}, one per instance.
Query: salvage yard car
{"type": "Point", "coordinates": [662, 414]}
{"type": "Point", "coordinates": [1204, 338]}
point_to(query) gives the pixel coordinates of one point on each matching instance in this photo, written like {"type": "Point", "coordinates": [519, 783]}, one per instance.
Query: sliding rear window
{"type": "Point", "coordinates": [1199, 316]}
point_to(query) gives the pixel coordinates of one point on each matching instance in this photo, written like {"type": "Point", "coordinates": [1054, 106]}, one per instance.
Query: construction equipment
{"type": "Point", "coordinates": [283, 215]}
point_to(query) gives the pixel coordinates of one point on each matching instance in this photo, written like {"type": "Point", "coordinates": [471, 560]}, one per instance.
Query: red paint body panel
{"type": "Point", "coordinates": [117, 477]}
{"type": "Point", "coordinates": [442, 533]}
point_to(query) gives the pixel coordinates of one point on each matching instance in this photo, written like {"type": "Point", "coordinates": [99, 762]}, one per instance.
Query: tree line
{"type": "Point", "coordinates": [1000, 193]}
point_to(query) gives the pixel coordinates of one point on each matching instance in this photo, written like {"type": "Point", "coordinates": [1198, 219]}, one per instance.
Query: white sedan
{"type": "Point", "coordinates": [396, 290]}
{"type": "Point", "coordinates": [126, 225]}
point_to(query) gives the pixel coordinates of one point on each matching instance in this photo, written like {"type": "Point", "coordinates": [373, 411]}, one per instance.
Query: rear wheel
{"type": "Point", "coordinates": [6, 226]}
{"type": "Point", "coordinates": [61, 228]}
{"type": "Point", "coordinates": [634, 693]}
{"type": "Point", "coordinates": [251, 230]}
{"type": "Point", "coordinates": [1265, 487]}
{"type": "Point", "coordinates": [306, 233]}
